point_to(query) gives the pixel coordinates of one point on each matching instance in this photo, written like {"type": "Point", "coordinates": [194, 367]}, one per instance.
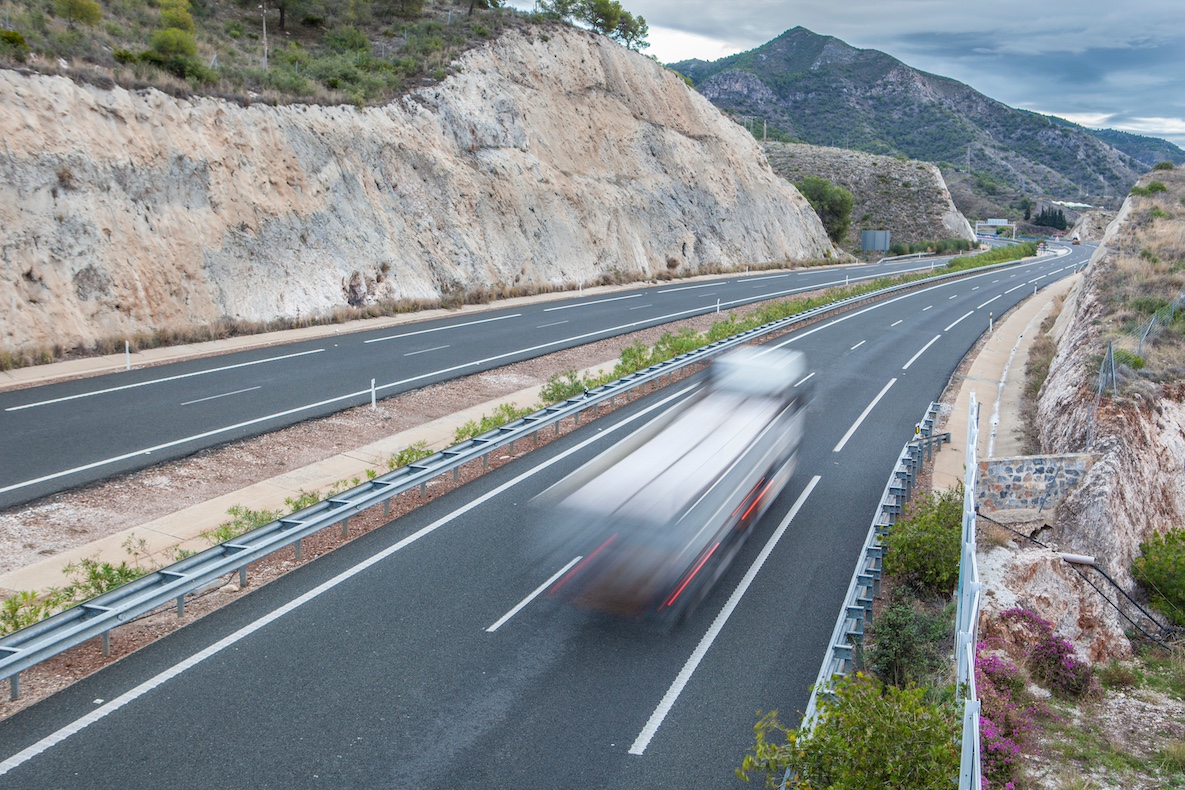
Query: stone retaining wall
{"type": "Point", "coordinates": [1029, 482]}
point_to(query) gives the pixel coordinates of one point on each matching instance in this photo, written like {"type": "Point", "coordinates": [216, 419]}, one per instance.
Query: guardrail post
{"type": "Point", "coordinates": [14, 687]}
{"type": "Point", "coordinates": [485, 461]}
{"type": "Point", "coordinates": [105, 641]}
{"type": "Point", "coordinates": [424, 490]}
{"type": "Point", "coordinates": [345, 527]}
{"type": "Point", "coordinates": [243, 576]}
{"type": "Point", "coordinates": [387, 508]}
{"type": "Point", "coordinates": [457, 469]}
{"type": "Point", "coordinates": [296, 547]}
{"type": "Point", "coordinates": [181, 605]}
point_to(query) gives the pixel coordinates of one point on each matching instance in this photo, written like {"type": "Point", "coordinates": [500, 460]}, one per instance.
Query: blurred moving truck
{"type": "Point", "coordinates": [657, 518]}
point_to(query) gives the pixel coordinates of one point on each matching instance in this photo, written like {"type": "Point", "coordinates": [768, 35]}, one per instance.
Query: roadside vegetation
{"type": "Point", "coordinates": [284, 51]}
{"type": "Point", "coordinates": [1144, 282]}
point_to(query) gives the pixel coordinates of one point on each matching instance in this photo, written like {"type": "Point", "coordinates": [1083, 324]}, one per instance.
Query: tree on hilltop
{"type": "Point", "coordinates": [607, 17]}
{"type": "Point", "coordinates": [81, 12]}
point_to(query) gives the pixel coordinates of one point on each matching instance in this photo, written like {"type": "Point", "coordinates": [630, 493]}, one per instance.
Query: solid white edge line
{"type": "Point", "coordinates": [441, 328]}
{"type": "Point", "coordinates": [426, 350]}
{"type": "Point", "coordinates": [863, 415]}
{"type": "Point", "coordinates": [161, 381]}
{"type": "Point", "coordinates": [534, 594]}
{"type": "Point", "coordinates": [957, 320]}
{"type": "Point", "coordinates": [78, 725]}
{"type": "Point", "coordinates": [585, 304]}
{"type": "Point", "coordinates": [705, 643]}
{"type": "Point", "coordinates": [223, 395]}
{"type": "Point", "coordinates": [915, 356]}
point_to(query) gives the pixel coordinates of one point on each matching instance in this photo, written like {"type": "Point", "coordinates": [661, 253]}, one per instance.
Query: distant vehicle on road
{"type": "Point", "coordinates": [657, 518]}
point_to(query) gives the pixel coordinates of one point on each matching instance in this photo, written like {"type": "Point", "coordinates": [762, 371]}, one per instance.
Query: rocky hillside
{"type": "Point", "coordinates": [819, 90]}
{"type": "Point", "coordinates": [1134, 488]}
{"type": "Point", "coordinates": [907, 198]}
{"type": "Point", "coordinates": [543, 161]}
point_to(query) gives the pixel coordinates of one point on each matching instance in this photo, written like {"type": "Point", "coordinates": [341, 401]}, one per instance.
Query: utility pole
{"type": "Point", "coordinates": [263, 16]}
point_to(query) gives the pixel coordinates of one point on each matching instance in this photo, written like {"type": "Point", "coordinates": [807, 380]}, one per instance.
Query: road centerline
{"type": "Point", "coordinates": [442, 328]}
{"type": "Point", "coordinates": [532, 596]}
{"type": "Point", "coordinates": [426, 350]}
{"type": "Point", "coordinates": [223, 395]}
{"type": "Point", "coordinates": [922, 351]}
{"type": "Point", "coordinates": [863, 415]}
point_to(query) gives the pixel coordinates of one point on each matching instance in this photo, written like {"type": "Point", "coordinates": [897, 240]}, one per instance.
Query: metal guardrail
{"type": "Point", "coordinates": [96, 617]}
{"type": "Point", "coordinates": [967, 597]}
{"type": "Point", "coordinates": [848, 634]}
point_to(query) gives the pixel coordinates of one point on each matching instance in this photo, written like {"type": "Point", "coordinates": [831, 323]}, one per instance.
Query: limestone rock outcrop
{"type": "Point", "coordinates": [544, 161]}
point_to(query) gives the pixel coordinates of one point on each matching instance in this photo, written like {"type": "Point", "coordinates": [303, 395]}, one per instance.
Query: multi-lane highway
{"type": "Point", "coordinates": [417, 656]}
{"type": "Point", "coordinates": [63, 435]}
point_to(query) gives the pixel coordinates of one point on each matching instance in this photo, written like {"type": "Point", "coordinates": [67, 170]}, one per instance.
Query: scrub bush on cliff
{"type": "Point", "coordinates": [833, 205]}
{"type": "Point", "coordinates": [1161, 571]}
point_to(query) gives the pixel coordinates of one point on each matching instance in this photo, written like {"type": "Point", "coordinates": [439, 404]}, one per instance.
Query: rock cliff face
{"type": "Point", "coordinates": [542, 161]}
{"type": "Point", "coordinates": [907, 198]}
{"type": "Point", "coordinates": [1134, 489]}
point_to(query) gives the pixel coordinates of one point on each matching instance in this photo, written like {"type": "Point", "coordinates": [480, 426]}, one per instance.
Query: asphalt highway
{"type": "Point", "coordinates": [418, 657]}
{"type": "Point", "coordinates": [67, 434]}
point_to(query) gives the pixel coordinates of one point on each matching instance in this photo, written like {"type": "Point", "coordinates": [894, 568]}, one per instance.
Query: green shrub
{"type": "Point", "coordinates": [13, 46]}
{"type": "Point", "coordinates": [866, 736]}
{"type": "Point", "coordinates": [924, 549]}
{"type": "Point", "coordinates": [1125, 357]}
{"type": "Point", "coordinates": [562, 386]}
{"type": "Point", "coordinates": [177, 18]}
{"type": "Point", "coordinates": [347, 39]}
{"type": "Point", "coordinates": [302, 500]}
{"type": "Point", "coordinates": [25, 608]}
{"type": "Point", "coordinates": [1152, 188]}
{"type": "Point", "coordinates": [504, 413]}
{"type": "Point", "coordinates": [1158, 213]}
{"type": "Point", "coordinates": [833, 205]}
{"type": "Point", "coordinates": [408, 455]}
{"type": "Point", "coordinates": [1161, 571]}
{"type": "Point", "coordinates": [1165, 165]}
{"type": "Point", "coordinates": [124, 57]}
{"type": "Point", "coordinates": [234, 28]}
{"type": "Point", "coordinates": [90, 577]}
{"type": "Point", "coordinates": [244, 520]}
{"type": "Point", "coordinates": [173, 43]}
{"type": "Point", "coordinates": [908, 644]}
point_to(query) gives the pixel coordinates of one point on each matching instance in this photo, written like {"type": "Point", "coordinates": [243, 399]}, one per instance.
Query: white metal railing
{"type": "Point", "coordinates": [967, 596]}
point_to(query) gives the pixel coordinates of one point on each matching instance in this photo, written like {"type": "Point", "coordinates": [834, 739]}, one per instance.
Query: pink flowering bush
{"type": "Point", "coordinates": [1007, 718]}
{"type": "Point", "coordinates": [1052, 660]}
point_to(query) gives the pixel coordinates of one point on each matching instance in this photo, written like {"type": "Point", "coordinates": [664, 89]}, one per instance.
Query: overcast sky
{"type": "Point", "coordinates": [1101, 63]}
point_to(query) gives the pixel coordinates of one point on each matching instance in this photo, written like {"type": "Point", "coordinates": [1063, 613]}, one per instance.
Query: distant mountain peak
{"type": "Point", "coordinates": [819, 89]}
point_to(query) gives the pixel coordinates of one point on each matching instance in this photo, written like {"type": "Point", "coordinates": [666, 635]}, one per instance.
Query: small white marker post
{"type": "Point", "coordinates": [372, 402]}
{"type": "Point", "coordinates": [717, 305]}
{"type": "Point", "coordinates": [845, 279]}
{"type": "Point", "coordinates": [990, 317]}
{"type": "Point", "coordinates": [127, 355]}
{"type": "Point", "coordinates": [582, 287]}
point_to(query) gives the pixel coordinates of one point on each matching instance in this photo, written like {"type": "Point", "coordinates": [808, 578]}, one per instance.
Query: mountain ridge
{"type": "Point", "coordinates": [820, 90]}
